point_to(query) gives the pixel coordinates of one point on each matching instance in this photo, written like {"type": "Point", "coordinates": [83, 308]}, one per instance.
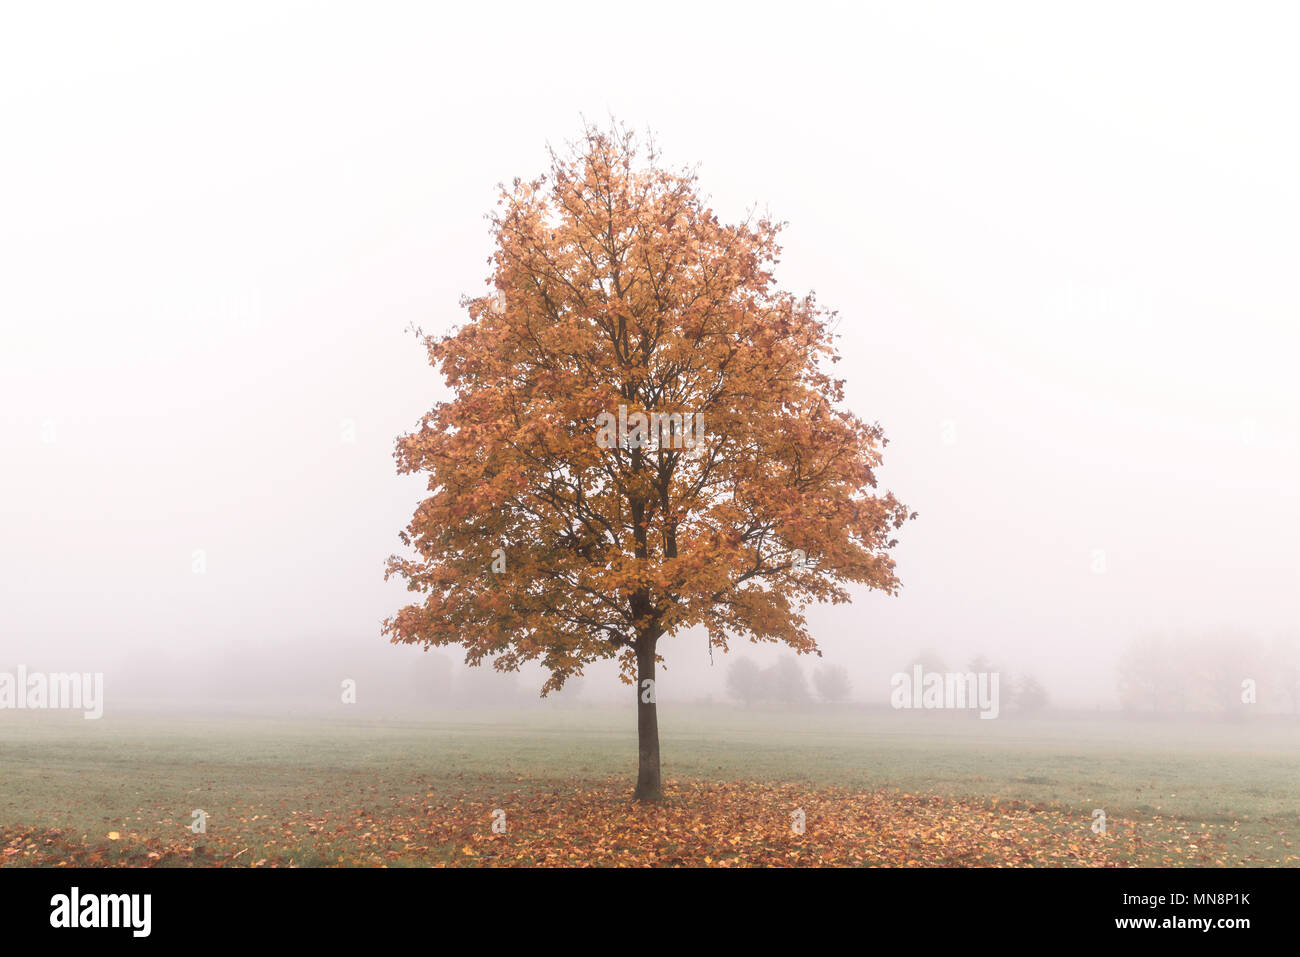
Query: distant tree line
{"type": "Point", "coordinates": [784, 684]}
{"type": "Point", "coordinates": [1211, 673]}
{"type": "Point", "coordinates": [1018, 691]}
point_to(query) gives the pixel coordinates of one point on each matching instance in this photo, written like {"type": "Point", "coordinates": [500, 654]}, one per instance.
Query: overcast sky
{"type": "Point", "coordinates": [1064, 246]}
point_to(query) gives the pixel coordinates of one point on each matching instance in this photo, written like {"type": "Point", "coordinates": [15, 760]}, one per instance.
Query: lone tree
{"type": "Point", "coordinates": [642, 439]}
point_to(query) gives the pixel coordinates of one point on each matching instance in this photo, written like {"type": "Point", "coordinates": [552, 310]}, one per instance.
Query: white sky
{"type": "Point", "coordinates": [1065, 240]}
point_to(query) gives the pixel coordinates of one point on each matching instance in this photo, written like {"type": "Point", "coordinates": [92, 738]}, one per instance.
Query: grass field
{"type": "Point", "coordinates": [420, 789]}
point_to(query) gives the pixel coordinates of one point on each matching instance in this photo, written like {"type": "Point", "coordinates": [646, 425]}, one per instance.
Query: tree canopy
{"type": "Point", "coordinates": [735, 489]}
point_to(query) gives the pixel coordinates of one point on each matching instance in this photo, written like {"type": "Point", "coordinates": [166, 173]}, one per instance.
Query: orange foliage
{"type": "Point", "coordinates": [615, 284]}
{"type": "Point", "coordinates": [709, 824]}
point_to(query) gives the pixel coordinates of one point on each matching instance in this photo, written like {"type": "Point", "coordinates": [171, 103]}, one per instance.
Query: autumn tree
{"type": "Point", "coordinates": [643, 438]}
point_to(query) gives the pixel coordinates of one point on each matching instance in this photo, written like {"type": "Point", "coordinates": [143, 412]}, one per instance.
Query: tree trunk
{"type": "Point", "coordinates": [648, 785]}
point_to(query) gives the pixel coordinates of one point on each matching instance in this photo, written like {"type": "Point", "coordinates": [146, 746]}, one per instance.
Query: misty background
{"type": "Point", "coordinates": [1064, 265]}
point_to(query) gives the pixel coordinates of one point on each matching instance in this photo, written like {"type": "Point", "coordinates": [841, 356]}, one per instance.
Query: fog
{"type": "Point", "coordinates": [1064, 266]}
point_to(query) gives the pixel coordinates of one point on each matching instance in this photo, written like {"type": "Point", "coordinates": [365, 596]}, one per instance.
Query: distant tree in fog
{"type": "Point", "coordinates": [487, 687]}
{"type": "Point", "coordinates": [1285, 655]}
{"type": "Point", "coordinates": [1146, 678]}
{"type": "Point", "coordinates": [928, 660]}
{"type": "Point", "coordinates": [429, 679]}
{"type": "Point", "coordinates": [832, 683]}
{"type": "Point", "coordinates": [786, 682]}
{"type": "Point", "coordinates": [1225, 662]}
{"type": "Point", "coordinates": [743, 681]}
{"type": "Point", "coordinates": [782, 683]}
{"type": "Point", "coordinates": [573, 688]}
{"type": "Point", "coordinates": [1204, 674]}
{"type": "Point", "coordinates": [1028, 694]}
{"type": "Point", "coordinates": [982, 664]}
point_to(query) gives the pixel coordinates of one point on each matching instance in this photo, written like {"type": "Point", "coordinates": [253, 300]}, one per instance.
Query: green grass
{"type": "Point", "coordinates": [146, 772]}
